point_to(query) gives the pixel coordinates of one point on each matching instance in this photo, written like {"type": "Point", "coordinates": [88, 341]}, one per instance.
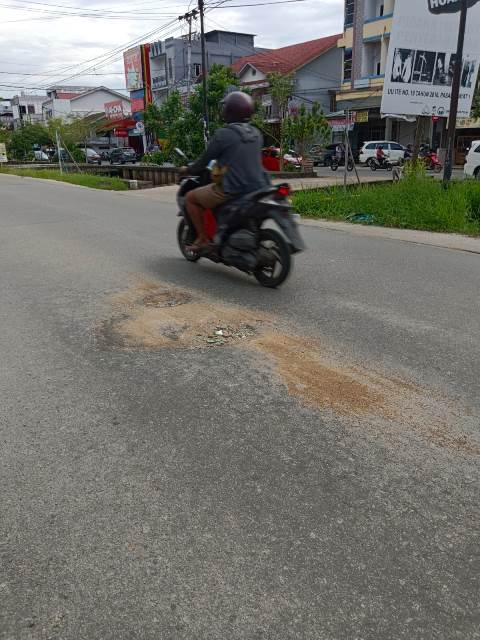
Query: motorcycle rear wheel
{"type": "Point", "coordinates": [185, 236]}
{"type": "Point", "coordinates": [371, 163]}
{"type": "Point", "coordinates": [274, 243]}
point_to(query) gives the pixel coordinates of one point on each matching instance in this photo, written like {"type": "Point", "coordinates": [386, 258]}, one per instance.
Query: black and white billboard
{"type": "Point", "coordinates": [422, 57]}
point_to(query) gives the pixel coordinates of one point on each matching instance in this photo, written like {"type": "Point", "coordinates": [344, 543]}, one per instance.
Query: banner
{"type": "Point", "coordinates": [137, 104]}
{"type": "Point", "coordinates": [114, 110]}
{"type": "Point", "coordinates": [132, 62]}
{"type": "Point", "coordinates": [422, 55]}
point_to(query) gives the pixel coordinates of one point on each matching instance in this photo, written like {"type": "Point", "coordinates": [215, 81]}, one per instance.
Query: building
{"type": "Point", "coordinates": [170, 68]}
{"type": "Point", "coordinates": [6, 115]}
{"type": "Point", "coordinates": [316, 66]}
{"type": "Point", "coordinates": [364, 46]}
{"type": "Point", "coordinates": [79, 102]}
{"type": "Point", "coordinates": [26, 108]}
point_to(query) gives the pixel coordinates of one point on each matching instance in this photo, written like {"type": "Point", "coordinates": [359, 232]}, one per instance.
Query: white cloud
{"type": "Point", "coordinates": [32, 46]}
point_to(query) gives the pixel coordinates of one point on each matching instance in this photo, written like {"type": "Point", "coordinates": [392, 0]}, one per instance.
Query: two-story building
{"type": "Point", "coordinates": [26, 108]}
{"type": "Point", "coordinates": [364, 46]}
{"type": "Point", "coordinates": [316, 68]}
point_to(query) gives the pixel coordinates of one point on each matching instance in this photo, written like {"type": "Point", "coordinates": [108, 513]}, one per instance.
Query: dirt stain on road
{"type": "Point", "coordinates": [153, 315]}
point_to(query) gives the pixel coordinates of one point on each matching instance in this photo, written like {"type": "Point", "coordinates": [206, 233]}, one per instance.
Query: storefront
{"type": "Point", "coordinates": [468, 130]}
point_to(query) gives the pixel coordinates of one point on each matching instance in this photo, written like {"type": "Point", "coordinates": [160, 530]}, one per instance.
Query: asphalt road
{"type": "Point", "coordinates": [160, 492]}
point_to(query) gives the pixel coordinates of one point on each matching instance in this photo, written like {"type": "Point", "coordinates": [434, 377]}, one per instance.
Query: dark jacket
{"type": "Point", "coordinates": [238, 150]}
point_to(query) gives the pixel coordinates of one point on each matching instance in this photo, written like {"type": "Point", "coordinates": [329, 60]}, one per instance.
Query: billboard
{"type": "Point", "coordinates": [132, 62]}
{"type": "Point", "coordinates": [422, 55]}
{"type": "Point", "coordinates": [114, 110]}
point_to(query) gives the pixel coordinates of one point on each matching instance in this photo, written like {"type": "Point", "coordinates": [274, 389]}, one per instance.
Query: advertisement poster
{"type": "Point", "coordinates": [114, 110]}
{"type": "Point", "coordinates": [421, 58]}
{"type": "Point", "coordinates": [3, 152]}
{"type": "Point", "coordinates": [132, 62]}
{"type": "Point", "coordinates": [137, 104]}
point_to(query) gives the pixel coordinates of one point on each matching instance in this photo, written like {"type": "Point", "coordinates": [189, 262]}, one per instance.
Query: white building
{"type": "Point", "coordinates": [78, 102]}
{"type": "Point", "coordinates": [26, 108]}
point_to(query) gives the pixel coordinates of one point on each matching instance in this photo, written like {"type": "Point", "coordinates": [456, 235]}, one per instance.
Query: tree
{"type": "Point", "coordinates": [23, 139]}
{"type": "Point", "coordinates": [281, 90]}
{"type": "Point", "coordinates": [304, 127]}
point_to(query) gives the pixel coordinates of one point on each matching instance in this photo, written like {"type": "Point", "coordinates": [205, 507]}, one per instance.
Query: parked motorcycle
{"type": "Point", "coordinates": [238, 235]}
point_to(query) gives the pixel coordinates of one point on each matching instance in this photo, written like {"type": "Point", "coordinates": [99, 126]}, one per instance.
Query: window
{"type": "Point", "coordinates": [170, 69]}
{"type": "Point", "coordinates": [378, 68]}
{"type": "Point", "coordinates": [31, 108]}
{"type": "Point", "coordinates": [349, 12]}
{"type": "Point", "coordinates": [22, 109]}
{"type": "Point", "coordinates": [477, 149]}
{"type": "Point", "coordinates": [372, 145]}
{"type": "Point", "coordinates": [254, 71]}
{"type": "Point", "coordinates": [396, 147]}
{"type": "Point", "coordinates": [197, 70]}
{"type": "Point", "coordinates": [381, 10]}
{"type": "Point", "coordinates": [347, 65]}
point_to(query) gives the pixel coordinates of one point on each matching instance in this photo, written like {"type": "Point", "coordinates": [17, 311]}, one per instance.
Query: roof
{"type": "Point", "coordinates": [65, 95]}
{"type": "Point", "coordinates": [288, 59]}
{"type": "Point", "coordinates": [102, 88]}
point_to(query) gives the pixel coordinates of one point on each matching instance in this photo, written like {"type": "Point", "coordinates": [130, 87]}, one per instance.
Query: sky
{"type": "Point", "coordinates": [40, 46]}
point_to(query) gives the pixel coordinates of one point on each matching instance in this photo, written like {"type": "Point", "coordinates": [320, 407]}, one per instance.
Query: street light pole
{"type": "Point", "coordinates": [201, 10]}
{"type": "Point", "coordinates": [457, 76]}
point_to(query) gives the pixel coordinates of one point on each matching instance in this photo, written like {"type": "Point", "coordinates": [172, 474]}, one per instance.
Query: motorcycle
{"type": "Point", "coordinates": [237, 232]}
{"type": "Point", "coordinates": [387, 164]}
{"type": "Point", "coordinates": [335, 163]}
{"type": "Point", "coordinates": [432, 163]}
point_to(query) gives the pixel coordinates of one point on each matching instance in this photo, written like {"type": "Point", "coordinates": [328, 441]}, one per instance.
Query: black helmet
{"type": "Point", "coordinates": [237, 107]}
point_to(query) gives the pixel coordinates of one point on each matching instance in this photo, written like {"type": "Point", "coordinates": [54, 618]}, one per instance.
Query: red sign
{"type": "Point", "coordinates": [137, 104]}
{"type": "Point", "coordinates": [435, 118]}
{"type": "Point", "coordinates": [114, 110]}
{"type": "Point", "coordinates": [120, 133]}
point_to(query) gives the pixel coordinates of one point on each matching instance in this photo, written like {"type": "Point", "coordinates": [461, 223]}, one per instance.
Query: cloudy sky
{"type": "Point", "coordinates": [50, 42]}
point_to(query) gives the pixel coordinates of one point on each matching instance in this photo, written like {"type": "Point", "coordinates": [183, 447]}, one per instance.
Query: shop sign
{"type": "Point", "coordinates": [120, 133]}
{"type": "Point", "coordinates": [137, 104]}
{"type": "Point", "coordinates": [114, 110]}
{"type": "Point", "coordinates": [362, 116]}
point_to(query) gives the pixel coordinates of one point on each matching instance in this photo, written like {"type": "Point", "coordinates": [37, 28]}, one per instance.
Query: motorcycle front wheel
{"type": "Point", "coordinates": [185, 236]}
{"type": "Point", "coordinates": [273, 274]}
{"type": "Point", "coordinates": [371, 163]}
{"type": "Point", "coordinates": [334, 165]}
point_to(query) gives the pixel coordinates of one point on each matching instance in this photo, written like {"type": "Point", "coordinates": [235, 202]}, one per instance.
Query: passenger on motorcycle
{"type": "Point", "coordinates": [237, 151]}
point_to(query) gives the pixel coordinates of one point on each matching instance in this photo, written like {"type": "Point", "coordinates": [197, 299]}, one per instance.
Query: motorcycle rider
{"type": "Point", "coordinates": [237, 150]}
{"type": "Point", "coordinates": [381, 156]}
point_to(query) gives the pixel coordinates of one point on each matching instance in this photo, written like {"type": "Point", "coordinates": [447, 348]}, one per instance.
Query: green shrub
{"type": "Point", "coordinates": [417, 202]}
{"type": "Point", "coordinates": [82, 179]}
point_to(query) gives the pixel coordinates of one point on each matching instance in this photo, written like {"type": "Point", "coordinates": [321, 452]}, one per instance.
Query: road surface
{"type": "Point", "coordinates": [311, 475]}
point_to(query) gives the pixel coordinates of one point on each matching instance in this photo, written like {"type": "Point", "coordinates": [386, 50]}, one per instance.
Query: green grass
{"type": "Point", "coordinates": [417, 202]}
{"type": "Point", "coordinates": [82, 179]}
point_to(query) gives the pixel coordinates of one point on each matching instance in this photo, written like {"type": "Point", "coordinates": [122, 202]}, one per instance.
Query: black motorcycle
{"type": "Point", "coordinates": [237, 233]}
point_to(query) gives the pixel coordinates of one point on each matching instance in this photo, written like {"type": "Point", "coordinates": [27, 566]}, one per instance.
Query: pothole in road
{"type": "Point", "coordinates": [158, 316]}
{"type": "Point", "coordinates": [154, 316]}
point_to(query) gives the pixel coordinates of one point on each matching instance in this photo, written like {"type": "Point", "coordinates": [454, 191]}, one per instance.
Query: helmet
{"type": "Point", "coordinates": [237, 107]}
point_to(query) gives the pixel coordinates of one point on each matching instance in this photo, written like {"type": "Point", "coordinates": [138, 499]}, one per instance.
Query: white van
{"type": "Point", "coordinates": [472, 163]}
{"type": "Point", "coordinates": [393, 150]}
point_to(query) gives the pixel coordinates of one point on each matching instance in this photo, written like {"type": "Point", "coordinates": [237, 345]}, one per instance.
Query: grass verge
{"type": "Point", "coordinates": [82, 179]}
{"type": "Point", "coordinates": [417, 202]}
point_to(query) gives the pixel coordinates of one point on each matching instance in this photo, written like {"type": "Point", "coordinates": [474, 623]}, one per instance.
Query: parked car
{"type": "Point", "coordinates": [64, 156]}
{"type": "Point", "coordinates": [322, 155]}
{"type": "Point", "coordinates": [271, 159]}
{"type": "Point", "coordinates": [394, 150]}
{"type": "Point", "coordinates": [472, 162]}
{"type": "Point", "coordinates": [121, 155]}
{"type": "Point", "coordinates": [91, 156]}
{"type": "Point", "coordinates": [40, 156]}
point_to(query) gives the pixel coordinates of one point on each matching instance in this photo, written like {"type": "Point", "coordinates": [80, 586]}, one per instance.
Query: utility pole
{"type": "Point", "coordinates": [57, 137]}
{"type": "Point", "coordinates": [191, 15]}
{"type": "Point", "coordinates": [201, 10]}
{"type": "Point", "coordinates": [457, 75]}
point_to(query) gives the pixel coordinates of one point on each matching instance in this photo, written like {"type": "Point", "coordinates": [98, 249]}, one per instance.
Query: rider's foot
{"type": "Point", "coordinates": [200, 244]}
